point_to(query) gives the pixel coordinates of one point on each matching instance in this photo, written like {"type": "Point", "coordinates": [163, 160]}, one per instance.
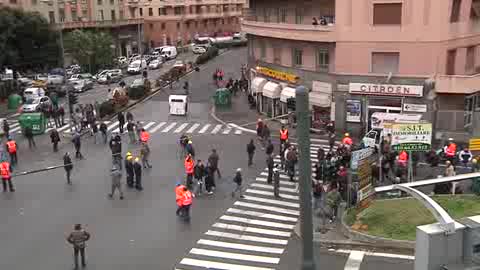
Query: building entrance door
{"type": "Point", "coordinates": [374, 109]}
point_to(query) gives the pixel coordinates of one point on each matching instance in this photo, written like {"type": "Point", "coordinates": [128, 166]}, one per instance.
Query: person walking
{"type": "Point", "coordinates": [94, 127]}
{"type": "Point", "coordinates": [189, 170]}
{"type": "Point", "coordinates": [77, 239]}
{"type": "Point", "coordinates": [129, 169]}
{"type": "Point", "coordinates": [266, 134]}
{"type": "Point", "coordinates": [331, 140]}
{"type": "Point", "coordinates": [187, 202]}
{"type": "Point", "coordinates": [270, 148]}
{"type": "Point", "coordinates": [250, 151]}
{"type": "Point", "coordinates": [237, 179]}
{"type": "Point", "coordinates": [283, 135]}
{"type": "Point", "coordinates": [138, 129]}
{"type": "Point", "coordinates": [137, 169]}
{"type": "Point", "coordinates": [145, 154]}
{"type": "Point", "coordinates": [11, 146]}
{"type": "Point", "coordinates": [116, 148]}
{"type": "Point", "coordinates": [6, 128]}
{"type": "Point", "coordinates": [121, 121]}
{"type": "Point", "coordinates": [333, 200]}
{"type": "Point", "coordinates": [179, 190]}
{"type": "Point", "coordinates": [129, 117]}
{"type": "Point", "coordinates": [77, 143]}
{"type": "Point", "coordinates": [144, 136]}
{"type": "Point", "coordinates": [116, 175]}
{"type": "Point", "coordinates": [29, 135]}
{"type": "Point", "coordinates": [131, 131]}
{"type": "Point", "coordinates": [276, 182]}
{"type": "Point", "coordinates": [209, 179]}
{"type": "Point", "coordinates": [6, 173]}
{"type": "Point", "coordinates": [189, 149]}
{"type": "Point", "coordinates": [61, 112]}
{"type": "Point", "coordinates": [68, 166]}
{"type": "Point", "coordinates": [199, 173]}
{"type": "Point", "coordinates": [103, 130]}
{"type": "Point", "coordinates": [55, 138]}
{"type": "Point", "coordinates": [270, 165]}
{"type": "Point", "coordinates": [213, 161]}
{"type": "Point", "coordinates": [259, 129]}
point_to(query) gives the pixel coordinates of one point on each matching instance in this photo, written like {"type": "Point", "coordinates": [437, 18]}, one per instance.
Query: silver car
{"type": "Point", "coordinates": [82, 85]}
{"type": "Point", "coordinates": [55, 79]}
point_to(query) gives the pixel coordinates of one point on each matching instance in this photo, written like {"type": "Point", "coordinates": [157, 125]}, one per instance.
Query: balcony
{"type": "Point", "coordinates": [457, 84]}
{"type": "Point", "coordinates": [98, 24]}
{"type": "Point", "coordinates": [300, 32]}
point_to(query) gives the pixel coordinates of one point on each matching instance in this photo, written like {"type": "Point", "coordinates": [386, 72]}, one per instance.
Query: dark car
{"type": "Point", "coordinates": [138, 88]}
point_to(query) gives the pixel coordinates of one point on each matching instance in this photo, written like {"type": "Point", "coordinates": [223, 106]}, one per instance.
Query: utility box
{"type": "Point", "coordinates": [471, 245]}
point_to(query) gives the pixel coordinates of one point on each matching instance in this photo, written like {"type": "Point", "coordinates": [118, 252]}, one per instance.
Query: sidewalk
{"type": "Point", "coordinates": [244, 118]}
{"type": "Point", "coordinates": [5, 112]}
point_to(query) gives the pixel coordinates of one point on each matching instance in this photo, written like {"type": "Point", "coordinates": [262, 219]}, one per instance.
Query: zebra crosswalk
{"type": "Point", "coordinates": [254, 232]}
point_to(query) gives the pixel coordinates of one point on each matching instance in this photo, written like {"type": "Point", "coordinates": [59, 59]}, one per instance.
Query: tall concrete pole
{"type": "Point", "coordinates": [304, 180]}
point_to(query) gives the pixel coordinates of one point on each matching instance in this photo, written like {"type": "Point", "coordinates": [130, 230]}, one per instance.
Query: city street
{"type": "Point", "coordinates": [142, 231]}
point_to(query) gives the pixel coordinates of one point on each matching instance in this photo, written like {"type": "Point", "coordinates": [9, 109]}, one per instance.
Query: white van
{"type": "Point", "coordinates": [169, 52]}
{"type": "Point", "coordinates": [381, 125]}
{"type": "Point", "coordinates": [178, 104]}
{"type": "Point", "coordinates": [33, 93]}
{"type": "Point", "coordinates": [137, 66]}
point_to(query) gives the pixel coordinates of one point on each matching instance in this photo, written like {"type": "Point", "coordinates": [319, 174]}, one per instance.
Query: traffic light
{"type": "Point", "coordinates": [291, 103]}
{"type": "Point", "coordinates": [72, 98]}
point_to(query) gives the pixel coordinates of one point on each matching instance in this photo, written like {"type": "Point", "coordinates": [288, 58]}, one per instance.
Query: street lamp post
{"type": "Point", "coordinates": [304, 179]}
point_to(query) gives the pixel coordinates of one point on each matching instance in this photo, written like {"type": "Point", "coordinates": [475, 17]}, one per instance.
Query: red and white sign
{"type": "Point", "coordinates": [386, 89]}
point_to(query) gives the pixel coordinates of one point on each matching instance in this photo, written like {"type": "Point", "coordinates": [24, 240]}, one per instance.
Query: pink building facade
{"type": "Point", "coordinates": [359, 56]}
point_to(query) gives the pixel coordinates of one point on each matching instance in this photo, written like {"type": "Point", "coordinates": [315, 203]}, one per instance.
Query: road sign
{"type": "Point", "coordinates": [362, 161]}
{"type": "Point", "coordinates": [412, 137]}
{"type": "Point", "coordinates": [474, 145]}
{"type": "Point", "coordinates": [408, 107]}
{"type": "Point", "coordinates": [360, 155]}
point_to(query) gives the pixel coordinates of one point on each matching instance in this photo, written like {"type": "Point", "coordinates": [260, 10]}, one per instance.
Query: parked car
{"type": "Point", "coordinates": [33, 92]}
{"type": "Point", "coordinates": [180, 66]}
{"type": "Point", "coordinates": [100, 74]}
{"type": "Point", "coordinates": [138, 88]}
{"type": "Point", "coordinates": [155, 64]}
{"type": "Point", "coordinates": [41, 77]}
{"type": "Point", "coordinates": [114, 74]}
{"type": "Point", "coordinates": [35, 104]}
{"type": "Point", "coordinates": [136, 67]}
{"type": "Point", "coordinates": [199, 50]}
{"type": "Point", "coordinates": [55, 79]}
{"type": "Point", "coordinates": [122, 60]}
{"type": "Point", "coordinates": [82, 85]}
{"type": "Point", "coordinates": [82, 76]}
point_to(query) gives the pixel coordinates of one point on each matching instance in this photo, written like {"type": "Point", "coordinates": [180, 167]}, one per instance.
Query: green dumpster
{"type": "Point", "coordinates": [14, 101]}
{"type": "Point", "coordinates": [222, 97]}
{"type": "Point", "coordinates": [36, 121]}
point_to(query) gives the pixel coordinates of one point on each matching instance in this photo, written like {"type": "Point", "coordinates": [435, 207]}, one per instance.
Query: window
{"type": "Point", "coordinates": [196, 24]}
{"type": "Point", "coordinates": [205, 22]}
{"type": "Point", "coordinates": [277, 55]}
{"type": "Point", "coordinates": [469, 108]}
{"type": "Point", "coordinates": [102, 17]}
{"type": "Point", "coordinates": [51, 16]}
{"type": "Point", "coordinates": [470, 61]}
{"type": "Point", "coordinates": [150, 11]}
{"type": "Point", "coordinates": [132, 13]}
{"type": "Point", "coordinates": [177, 10]}
{"type": "Point", "coordinates": [297, 57]}
{"type": "Point", "coordinates": [112, 2]}
{"type": "Point", "coordinates": [140, 11]}
{"type": "Point", "coordinates": [251, 51]}
{"type": "Point", "coordinates": [178, 25]}
{"type": "Point", "coordinates": [163, 26]}
{"type": "Point", "coordinates": [298, 16]}
{"type": "Point", "coordinates": [151, 26]}
{"type": "Point", "coordinates": [385, 62]}
{"type": "Point", "coordinates": [323, 59]}
{"type": "Point", "coordinates": [198, 9]}
{"type": "Point", "coordinates": [451, 57]}
{"type": "Point", "coordinates": [112, 15]}
{"type": "Point", "coordinates": [276, 14]}
{"type": "Point", "coordinates": [61, 14]}
{"type": "Point", "coordinates": [13, 1]}
{"type": "Point", "coordinates": [455, 14]}
{"type": "Point", "coordinates": [387, 14]}
{"type": "Point", "coordinates": [84, 13]}
{"type": "Point", "coordinates": [187, 25]}
{"type": "Point", "coordinates": [99, 2]}
{"type": "Point", "coordinates": [223, 21]}
{"type": "Point", "coordinates": [266, 15]}
{"type": "Point", "coordinates": [34, 2]}
{"type": "Point", "coordinates": [190, 9]}
{"type": "Point", "coordinates": [122, 15]}
{"type": "Point", "coordinates": [283, 15]}
{"type": "Point", "coordinates": [74, 15]}
{"type": "Point", "coordinates": [263, 50]}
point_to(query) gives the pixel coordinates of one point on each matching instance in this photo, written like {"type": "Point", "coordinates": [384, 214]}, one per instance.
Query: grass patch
{"type": "Point", "coordinates": [398, 219]}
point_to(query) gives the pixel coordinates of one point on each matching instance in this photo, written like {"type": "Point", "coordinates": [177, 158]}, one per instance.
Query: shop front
{"type": "Point", "coordinates": [271, 99]}
{"type": "Point", "coordinates": [321, 103]}
{"type": "Point", "coordinates": [287, 92]}
{"type": "Point", "coordinates": [256, 88]}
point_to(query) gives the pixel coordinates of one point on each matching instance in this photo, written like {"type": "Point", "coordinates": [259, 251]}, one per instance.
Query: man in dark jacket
{"type": "Point", "coordinates": [103, 130]}
{"type": "Point", "coordinates": [116, 175]}
{"type": "Point", "coordinates": [77, 143]}
{"type": "Point", "coordinates": [238, 183]}
{"type": "Point", "coordinates": [6, 128]}
{"type": "Point", "coordinates": [270, 165]}
{"type": "Point", "coordinates": [137, 168]}
{"type": "Point", "coordinates": [68, 166]}
{"type": "Point", "coordinates": [116, 148]}
{"type": "Point", "coordinates": [250, 151]}
{"type": "Point", "coordinates": [121, 121]}
{"type": "Point", "coordinates": [131, 131]}
{"type": "Point", "coordinates": [55, 137]}
{"type": "Point", "coordinates": [129, 116]}
{"type": "Point", "coordinates": [29, 136]}
{"type": "Point", "coordinates": [77, 238]}
{"type": "Point", "coordinates": [199, 173]}
{"type": "Point", "coordinates": [269, 149]}
{"type": "Point", "coordinates": [213, 161]}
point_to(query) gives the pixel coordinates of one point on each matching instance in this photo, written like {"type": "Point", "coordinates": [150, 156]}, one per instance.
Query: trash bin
{"type": "Point", "coordinates": [14, 101]}
{"type": "Point", "coordinates": [36, 121]}
{"type": "Point", "coordinates": [222, 97]}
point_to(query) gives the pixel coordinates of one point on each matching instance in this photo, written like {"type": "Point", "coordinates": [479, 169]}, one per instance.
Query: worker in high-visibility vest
{"type": "Point", "coordinates": [451, 151]}
{"type": "Point", "coordinates": [347, 141]}
{"type": "Point", "coordinates": [6, 173]}
{"type": "Point", "coordinates": [283, 135]}
{"type": "Point", "coordinates": [144, 136]}
{"type": "Point", "coordinates": [12, 151]}
{"type": "Point", "coordinates": [187, 202]}
{"type": "Point", "coordinates": [189, 170]}
{"type": "Point", "coordinates": [402, 159]}
{"type": "Point", "coordinates": [179, 189]}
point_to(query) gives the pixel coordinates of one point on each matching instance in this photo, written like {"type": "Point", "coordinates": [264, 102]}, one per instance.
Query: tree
{"type": "Point", "coordinates": [90, 48]}
{"type": "Point", "coordinates": [27, 41]}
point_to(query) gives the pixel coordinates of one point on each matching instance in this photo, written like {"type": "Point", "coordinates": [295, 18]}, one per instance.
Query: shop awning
{"type": "Point", "coordinates": [319, 99]}
{"type": "Point", "coordinates": [271, 90]}
{"type": "Point", "coordinates": [257, 85]}
{"type": "Point", "coordinates": [287, 92]}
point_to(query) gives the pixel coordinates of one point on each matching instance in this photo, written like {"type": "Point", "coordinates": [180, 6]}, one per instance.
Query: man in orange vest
{"type": "Point", "coordinates": [6, 173]}
{"type": "Point", "coordinates": [403, 159]}
{"type": "Point", "coordinates": [179, 190]}
{"type": "Point", "coordinates": [347, 140]}
{"type": "Point", "coordinates": [144, 136]}
{"type": "Point", "coordinates": [189, 169]}
{"type": "Point", "coordinates": [283, 135]}
{"type": "Point", "coordinates": [12, 150]}
{"type": "Point", "coordinates": [451, 150]}
{"type": "Point", "coordinates": [187, 202]}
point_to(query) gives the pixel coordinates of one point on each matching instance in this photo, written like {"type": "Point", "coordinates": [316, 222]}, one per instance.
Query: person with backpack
{"type": "Point", "coordinates": [238, 183]}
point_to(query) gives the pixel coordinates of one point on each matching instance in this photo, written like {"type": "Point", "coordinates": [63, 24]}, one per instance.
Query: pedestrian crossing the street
{"type": "Point", "coordinates": [254, 232]}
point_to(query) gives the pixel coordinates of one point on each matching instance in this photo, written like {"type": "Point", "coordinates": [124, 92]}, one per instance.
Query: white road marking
{"type": "Point", "coordinates": [268, 208]}
{"type": "Point", "coordinates": [118, 128]}
{"type": "Point", "coordinates": [260, 214]}
{"type": "Point", "coordinates": [247, 238]}
{"type": "Point", "coordinates": [354, 260]}
{"type": "Point", "coordinates": [147, 126]}
{"type": "Point", "coordinates": [277, 202]}
{"type": "Point", "coordinates": [270, 193]}
{"type": "Point", "coordinates": [250, 229]}
{"type": "Point", "coordinates": [180, 128]}
{"type": "Point", "coordinates": [227, 130]}
{"type": "Point", "coordinates": [288, 183]}
{"type": "Point", "coordinates": [192, 128]}
{"type": "Point", "coordinates": [238, 131]}
{"type": "Point", "coordinates": [169, 127]}
{"type": "Point", "coordinates": [218, 265]}
{"type": "Point", "coordinates": [63, 128]}
{"type": "Point", "coordinates": [292, 190]}
{"type": "Point", "coordinates": [204, 128]}
{"type": "Point", "coordinates": [216, 129]}
{"type": "Point", "coordinates": [235, 256]}
{"type": "Point", "coordinates": [379, 254]}
{"type": "Point", "coordinates": [258, 222]}
{"type": "Point", "coordinates": [240, 246]}
{"type": "Point", "coordinates": [112, 126]}
{"type": "Point", "coordinates": [153, 130]}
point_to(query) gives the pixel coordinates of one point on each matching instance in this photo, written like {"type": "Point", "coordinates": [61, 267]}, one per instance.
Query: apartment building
{"type": "Point", "coordinates": [364, 56]}
{"type": "Point", "coordinates": [67, 15]}
{"type": "Point", "coordinates": [172, 22]}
